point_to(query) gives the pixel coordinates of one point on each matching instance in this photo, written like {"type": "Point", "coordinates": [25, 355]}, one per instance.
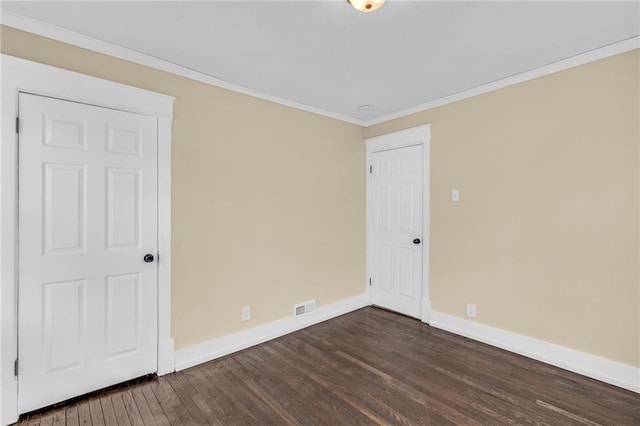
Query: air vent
{"type": "Point", "coordinates": [304, 308]}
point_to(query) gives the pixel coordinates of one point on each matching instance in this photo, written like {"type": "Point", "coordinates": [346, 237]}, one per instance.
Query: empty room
{"type": "Point", "coordinates": [320, 212]}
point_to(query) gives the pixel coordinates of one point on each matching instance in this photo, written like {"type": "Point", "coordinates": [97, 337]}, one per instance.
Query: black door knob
{"type": "Point", "coordinates": [416, 241]}
{"type": "Point", "coordinates": [148, 258]}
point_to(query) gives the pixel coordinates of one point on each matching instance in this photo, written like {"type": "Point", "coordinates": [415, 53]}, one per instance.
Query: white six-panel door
{"type": "Point", "coordinates": [395, 230]}
{"type": "Point", "coordinates": [87, 216]}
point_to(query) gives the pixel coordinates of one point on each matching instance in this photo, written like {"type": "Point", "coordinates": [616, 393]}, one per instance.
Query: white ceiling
{"type": "Point", "coordinates": [326, 55]}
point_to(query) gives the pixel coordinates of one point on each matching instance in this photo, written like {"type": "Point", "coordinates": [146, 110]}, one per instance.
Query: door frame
{"type": "Point", "coordinates": [420, 135]}
{"type": "Point", "coordinates": [23, 76]}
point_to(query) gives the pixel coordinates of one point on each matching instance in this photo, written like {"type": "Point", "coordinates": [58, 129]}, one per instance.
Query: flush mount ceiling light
{"type": "Point", "coordinates": [366, 5]}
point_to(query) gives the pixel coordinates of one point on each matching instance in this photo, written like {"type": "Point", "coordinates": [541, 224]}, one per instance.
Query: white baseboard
{"type": "Point", "coordinates": [9, 406]}
{"type": "Point", "coordinates": [605, 370]}
{"type": "Point", "coordinates": [166, 357]}
{"type": "Point", "coordinates": [225, 345]}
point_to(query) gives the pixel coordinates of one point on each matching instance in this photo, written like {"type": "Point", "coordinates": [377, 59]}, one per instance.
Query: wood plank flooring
{"type": "Point", "coordinates": [367, 367]}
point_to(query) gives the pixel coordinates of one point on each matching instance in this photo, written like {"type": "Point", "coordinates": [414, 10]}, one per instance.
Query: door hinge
{"type": "Point", "coordinates": [370, 169]}
{"type": "Point", "coordinates": [17, 125]}
{"type": "Point", "coordinates": [369, 281]}
{"type": "Point", "coordinates": [15, 368]}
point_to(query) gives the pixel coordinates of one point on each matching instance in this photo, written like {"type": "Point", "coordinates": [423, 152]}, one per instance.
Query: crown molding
{"type": "Point", "coordinates": [24, 23]}
{"type": "Point", "coordinates": [561, 65]}
{"type": "Point", "coordinates": [54, 32]}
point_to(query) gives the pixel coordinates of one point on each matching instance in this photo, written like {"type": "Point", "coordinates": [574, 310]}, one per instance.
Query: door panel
{"type": "Point", "coordinates": [123, 314]}
{"type": "Point", "coordinates": [124, 141]}
{"type": "Point", "coordinates": [396, 220]}
{"type": "Point", "coordinates": [123, 208]}
{"type": "Point", "coordinates": [64, 307]}
{"type": "Point", "coordinates": [88, 213]}
{"type": "Point", "coordinates": [64, 208]}
{"type": "Point", "coordinates": [65, 132]}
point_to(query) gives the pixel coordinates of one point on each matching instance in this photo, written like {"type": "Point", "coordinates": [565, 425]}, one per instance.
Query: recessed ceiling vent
{"type": "Point", "coordinates": [304, 308]}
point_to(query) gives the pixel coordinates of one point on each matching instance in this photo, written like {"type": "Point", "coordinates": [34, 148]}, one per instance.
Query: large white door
{"type": "Point", "coordinates": [87, 217]}
{"type": "Point", "coordinates": [395, 229]}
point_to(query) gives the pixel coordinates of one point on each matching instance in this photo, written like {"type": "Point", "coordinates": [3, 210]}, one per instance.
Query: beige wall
{"type": "Point", "coordinates": [268, 201]}
{"type": "Point", "coordinates": [545, 237]}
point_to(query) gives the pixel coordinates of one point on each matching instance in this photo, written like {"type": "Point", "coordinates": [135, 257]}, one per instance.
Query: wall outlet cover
{"type": "Point", "coordinates": [471, 310]}
{"type": "Point", "coordinates": [246, 313]}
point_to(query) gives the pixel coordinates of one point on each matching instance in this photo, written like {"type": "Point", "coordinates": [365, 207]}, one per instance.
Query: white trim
{"type": "Point", "coordinates": [19, 75]}
{"type": "Point", "coordinates": [82, 88]}
{"type": "Point", "coordinates": [9, 392]}
{"type": "Point", "coordinates": [24, 23]}
{"type": "Point", "coordinates": [426, 229]}
{"type": "Point", "coordinates": [420, 135]}
{"type": "Point", "coordinates": [561, 65]}
{"type": "Point", "coordinates": [400, 139]}
{"type": "Point", "coordinates": [225, 345]}
{"type": "Point", "coordinates": [165, 341]}
{"type": "Point", "coordinates": [605, 370]}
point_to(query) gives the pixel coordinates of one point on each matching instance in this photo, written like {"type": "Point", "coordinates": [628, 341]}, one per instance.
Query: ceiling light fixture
{"type": "Point", "coordinates": [366, 5]}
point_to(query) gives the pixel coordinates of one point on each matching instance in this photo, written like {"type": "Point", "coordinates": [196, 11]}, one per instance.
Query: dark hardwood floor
{"type": "Point", "coordinates": [367, 367]}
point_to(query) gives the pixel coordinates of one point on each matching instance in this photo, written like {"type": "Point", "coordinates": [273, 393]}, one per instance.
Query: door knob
{"type": "Point", "coordinates": [416, 241]}
{"type": "Point", "coordinates": [148, 258]}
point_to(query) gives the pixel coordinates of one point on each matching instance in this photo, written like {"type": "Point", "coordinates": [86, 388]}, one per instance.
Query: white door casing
{"type": "Point", "coordinates": [87, 310]}
{"type": "Point", "coordinates": [398, 214]}
{"type": "Point", "coordinates": [23, 76]}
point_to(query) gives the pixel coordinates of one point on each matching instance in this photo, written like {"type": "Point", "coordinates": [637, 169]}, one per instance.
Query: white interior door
{"type": "Point", "coordinates": [395, 229]}
{"type": "Point", "coordinates": [87, 216]}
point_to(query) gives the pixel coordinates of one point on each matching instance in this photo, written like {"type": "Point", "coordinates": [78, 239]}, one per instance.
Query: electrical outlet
{"type": "Point", "coordinates": [246, 313]}
{"type": "Point", "coordinates": [471, 310]}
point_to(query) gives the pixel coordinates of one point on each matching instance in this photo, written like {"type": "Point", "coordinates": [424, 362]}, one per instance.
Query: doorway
{"type": "Point", "coordinates": [65, 194]}
{"type": "Point", "coordinates": [88, 232]}
{"type": "Point", "coordinates": [397, 221]}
